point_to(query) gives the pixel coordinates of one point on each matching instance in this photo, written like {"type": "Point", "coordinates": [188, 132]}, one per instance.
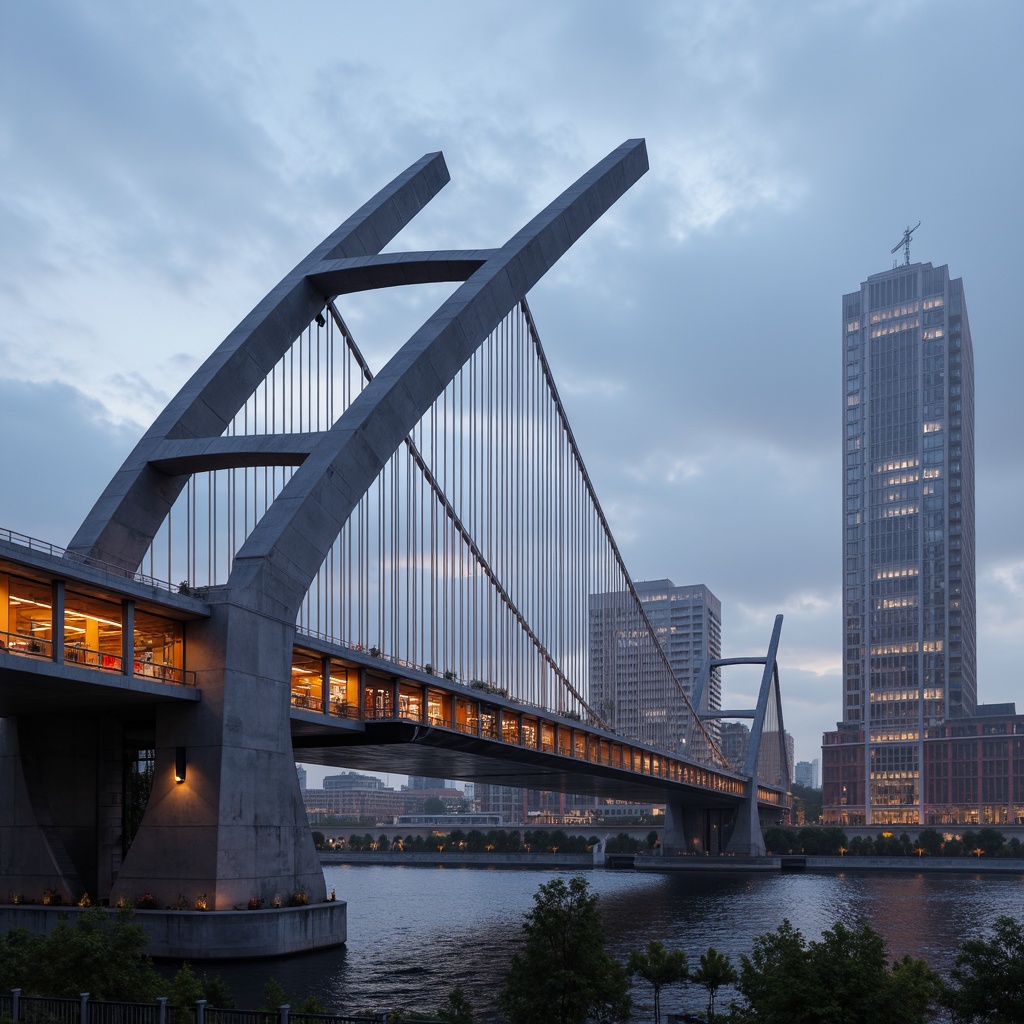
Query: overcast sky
{"type": "Point", "coordinates": [165, 163]}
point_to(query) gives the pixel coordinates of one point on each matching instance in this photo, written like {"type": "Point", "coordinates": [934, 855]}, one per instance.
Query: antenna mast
{"type": "Point", "coordinates": [905, 243]}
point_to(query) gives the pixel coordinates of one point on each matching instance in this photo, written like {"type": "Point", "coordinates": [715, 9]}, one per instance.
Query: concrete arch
{"type": "Point", "coordinates": [246, 830]}
{"type": "Point", "coordinates": [123, 522]}
{"type": "Point", "coordinates": [286, 549]}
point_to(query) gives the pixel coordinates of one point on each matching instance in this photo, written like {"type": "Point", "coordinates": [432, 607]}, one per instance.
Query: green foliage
{"type": "Point", "coordinates": [806, 801]}
{"type": "Point", "coordinates": [434, 805]}
{"type": "Point", "coordinates": [779, 840]}
{"type": "Point", "coordinates": [564, 974]}
{"type": "Point", "coordinates": [319, 840]}
{"type": "Point", "coordinates": [19, 951]}
{"type": "Point", "coordinates": [98, 953]}
{"type": "Point", "coordinates": [930, 841]}
{"type": "Point", "coordinates": [715, 970]}
{"type": "Point", "coordinates": [659, 966]}
{"type": "Point", "coordinates": [274, 994]}
{"type": "Point", "coordinates": [187, 987]}
{"type": "Point", "coordinates": [814, 841]}
{"type": "Point", "coordinates": [622, 843]}
{"type": "Point", "coordinates": [456, 1008]}
{"type": "Point", "coordinates": [842, 978]}
{"type": "Point", "coordinates": [988, 977]}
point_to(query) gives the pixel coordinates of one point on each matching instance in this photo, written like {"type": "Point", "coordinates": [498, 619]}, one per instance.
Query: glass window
{"type": "Point", "coordinates": [29, 613]}
{"type": "Point", "coordinates": [307, 680]}
{"type": "Point", "coordinates": [159, 647]}
{"type": "Point", "coordinates": [92, 632]}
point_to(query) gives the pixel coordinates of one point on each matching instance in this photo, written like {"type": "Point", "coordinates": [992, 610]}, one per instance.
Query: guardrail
{"type": "Point", "coordinates": [24, 1009]}
{"type": "Point", "coordinates": [46, 547]}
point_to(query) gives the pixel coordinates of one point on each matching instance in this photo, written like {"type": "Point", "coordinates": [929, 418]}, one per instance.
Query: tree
{"type": "Point", "coordinates": [99, 953]}
{"type": "Point", "coordinates": [930, 841]}
{"type": "Point", "coordinates": [456, 1008]}
{"type": "Point", "coordinates": [434, 805]}
{"type": "Point", "coordinates": [988, 977]}
{"type": "Point", "coordinates": [843, 978]}
{"type": "Point", "coordinates": [659, 966]}
{"type": "Point", "coordinates": [276, 995]}
{"type": "Point", "coordinates": [563, 974]}
{"type": "Point", "coordinates": [187, 987]}
{"type": "Point", "coordinates": [319, 840]}
{"type": "Point", "coordinates": [715, 970]}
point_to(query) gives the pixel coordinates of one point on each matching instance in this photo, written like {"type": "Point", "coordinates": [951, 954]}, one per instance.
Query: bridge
{"type": "Point", "coordinates": [405, 572]}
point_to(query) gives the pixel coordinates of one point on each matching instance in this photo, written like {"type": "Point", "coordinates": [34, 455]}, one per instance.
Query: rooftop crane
{"type": "Point", "coordinates": [905, 242]}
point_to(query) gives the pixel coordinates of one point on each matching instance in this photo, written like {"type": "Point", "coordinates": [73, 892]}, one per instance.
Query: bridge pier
{"type": "Point", "coordinates": [747, 839]}
{"type": "Point", "coordinates": [234, 828]}
{"type": "Point", "coordinates": [684, 831]}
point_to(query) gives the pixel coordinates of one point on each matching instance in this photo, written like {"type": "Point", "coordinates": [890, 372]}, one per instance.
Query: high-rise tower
{"type": "Point", "coordinates": [687, 622]}
{"type": "Point", "coordinates": [908, 536]}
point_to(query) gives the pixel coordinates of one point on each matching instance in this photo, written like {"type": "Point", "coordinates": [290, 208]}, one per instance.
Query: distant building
{"type": "Point", "coordinates": [733, 740]}
{"type": "Point", "coordinates": [806, 774]}
{"type": "Point", "coordinates": [302, 776]}
{"type": "Point", "coordinates": [687, 622]}
{"type": "Point", "coordinates": [423, 782]}
{"type": "Point", "coordinates": [353, 780]}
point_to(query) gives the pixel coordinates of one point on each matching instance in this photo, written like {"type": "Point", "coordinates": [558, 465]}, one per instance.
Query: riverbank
{"type": "Point", "coordinates": [697, 865]}
{"type": "Point", "coordinates": [458, 859]}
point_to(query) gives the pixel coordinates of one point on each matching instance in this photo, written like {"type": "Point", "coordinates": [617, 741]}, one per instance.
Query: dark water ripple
{"type": "Point", "coordinates": [415, 932]}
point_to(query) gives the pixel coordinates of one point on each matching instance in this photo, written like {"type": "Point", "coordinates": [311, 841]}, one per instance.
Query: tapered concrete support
{"type": "Point", "coordinates": [235, 828]}
{"type": "Point", "coordinates": [747, 839]}
{"type": "Point", "coordinates": [52, 831]}
{"type": "Point", "coordinates": [684, 829]}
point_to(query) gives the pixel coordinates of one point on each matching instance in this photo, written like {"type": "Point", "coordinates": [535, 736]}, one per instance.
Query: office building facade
{"type": "Point", "coordinates": [687, 622]}
{"type": "Point", "coordinates": [909, 661]}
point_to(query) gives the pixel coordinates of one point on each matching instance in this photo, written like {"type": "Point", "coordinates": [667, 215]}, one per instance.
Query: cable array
{"type": "Point", "coordinates": [480, 554]}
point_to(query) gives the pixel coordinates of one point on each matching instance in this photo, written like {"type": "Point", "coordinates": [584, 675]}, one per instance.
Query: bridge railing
{"type": "Point", "coordinates": [55, 550]}
{"type": "Point", "coordinates": [24, 1009]}
{"type": "Point", "coordinates": [29, 646]}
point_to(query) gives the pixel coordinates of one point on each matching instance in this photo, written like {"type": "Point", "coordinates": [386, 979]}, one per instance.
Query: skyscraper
{"type": "Point", "coordinates": [687, 622]}
{"type": "Point", "coordinates": [908, 538]}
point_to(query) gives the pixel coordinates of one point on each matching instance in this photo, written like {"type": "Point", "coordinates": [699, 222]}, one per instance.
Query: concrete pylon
{"type": "Point", "coordinates": [235, 828]}
{"type": "Point", "coordinates": [747, 839]}
{"type": "Point", "coordinates": [684, 829]}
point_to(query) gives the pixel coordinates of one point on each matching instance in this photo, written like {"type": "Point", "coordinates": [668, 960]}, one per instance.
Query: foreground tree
{"type": "Point", "coordinates": [843, 978]}
{"type": "Point", "coordinates": [715, 970]}
{"type": "Point", "coordinates": [99, 953]}
{"type": "Point", "coordinates": [988, 977]}
{"type": "Point", "coordinates": [659, 966]}
{"type": "Point", "coordinates": [456, 1009]}
{"type": "Point", "coordinates": [564, 974]}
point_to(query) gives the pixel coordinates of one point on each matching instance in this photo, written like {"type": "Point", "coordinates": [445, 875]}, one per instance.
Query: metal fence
{"type": "Point", "coordinates": [82, 1010]}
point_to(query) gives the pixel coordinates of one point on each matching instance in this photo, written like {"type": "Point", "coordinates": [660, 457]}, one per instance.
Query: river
{"type": "Point", "coordinates": [415, 932]}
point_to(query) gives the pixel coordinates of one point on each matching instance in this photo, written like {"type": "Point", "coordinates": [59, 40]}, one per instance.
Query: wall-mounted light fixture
{"type": "Point", "coordinates": [179, 765]}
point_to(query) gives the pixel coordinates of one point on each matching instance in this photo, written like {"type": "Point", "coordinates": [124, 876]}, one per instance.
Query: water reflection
{"type": "Point", "coordinates": [416, 932]}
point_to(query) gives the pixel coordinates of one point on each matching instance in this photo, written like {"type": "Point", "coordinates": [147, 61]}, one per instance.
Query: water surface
{"type": "Point", "coordinates": [415, 932]}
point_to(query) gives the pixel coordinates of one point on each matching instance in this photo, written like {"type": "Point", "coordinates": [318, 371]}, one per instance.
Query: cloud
{"type": "Point", "coordinates": [165, 165]}
{"type": "Point", "coordinates": [66, 451]}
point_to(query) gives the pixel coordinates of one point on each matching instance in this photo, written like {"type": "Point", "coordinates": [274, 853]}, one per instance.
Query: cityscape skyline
{"type": "Point", "coordinates": [164, 164]}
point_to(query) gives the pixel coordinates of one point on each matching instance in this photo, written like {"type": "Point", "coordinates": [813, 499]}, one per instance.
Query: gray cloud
{"type": "Point", "coordinates": [165, 164]}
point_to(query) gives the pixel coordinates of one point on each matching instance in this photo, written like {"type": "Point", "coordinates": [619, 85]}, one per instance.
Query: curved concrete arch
{"type": "Point", "coordinates": [282, 555]}
{"type": "Point", "coordinates": [247, 829]}
{"type": "Point", "coordinates": [123, 522]}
